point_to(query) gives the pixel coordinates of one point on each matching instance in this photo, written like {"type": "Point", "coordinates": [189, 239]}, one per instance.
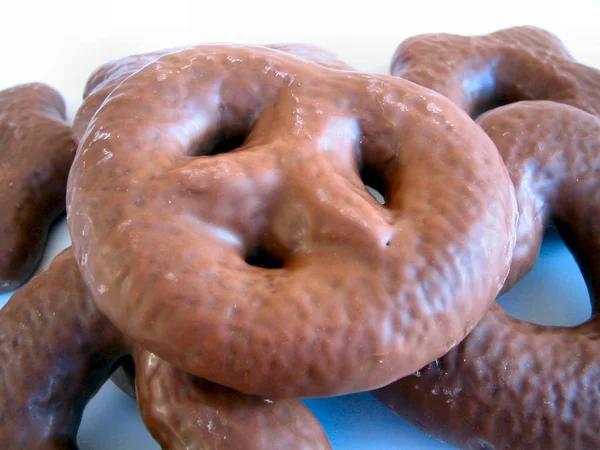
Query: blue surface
{"type": "Point", "coordinates": [554, 293]}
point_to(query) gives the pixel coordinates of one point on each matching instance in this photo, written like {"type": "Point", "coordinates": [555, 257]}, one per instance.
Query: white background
{"type": "Point", "coordinates": [60, 42]}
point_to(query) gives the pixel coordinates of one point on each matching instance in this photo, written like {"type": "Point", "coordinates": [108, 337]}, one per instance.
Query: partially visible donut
{"type": "Point", "coordinates": [57, 349]}
{"type": "Point", "coordinates": [185, 413]}
{"type": "Point", "coordinates": [479, 73]}
{"type": "Point", "coordinates": [36, 151]}
{"type": "Point", "coordinates": [512, 384]}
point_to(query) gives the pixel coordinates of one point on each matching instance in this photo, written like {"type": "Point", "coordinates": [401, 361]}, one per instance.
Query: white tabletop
{"type": "Point", "coordinates": [61, 42]}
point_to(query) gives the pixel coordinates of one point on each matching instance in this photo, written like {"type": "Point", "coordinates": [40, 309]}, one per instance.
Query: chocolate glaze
{"type": "Point", "coordinates": [57, 349]}
{"type": "Point", "coordinates": [481, 72]}
{"type": "Point", "coordinates": [108, 76]}
{"type": "Point", "coordinates": [36, 151]}
{"type": "Point", "coordinates": [210, 416]}
{"type": "Point", "coordinates": [162, 229]}
{"type": "Point", "coordinates": [512, 384]}
{"type": "Point", "coordinates": [102, 82]}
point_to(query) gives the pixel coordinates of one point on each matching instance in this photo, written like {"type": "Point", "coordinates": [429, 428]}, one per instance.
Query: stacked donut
{"type": "Point", "coordinates": [228, 254]}
{"type": "Point", "coordinates": [512, 384]}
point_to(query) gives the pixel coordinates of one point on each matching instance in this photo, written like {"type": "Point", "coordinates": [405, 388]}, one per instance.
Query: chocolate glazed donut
{"type": "Point", "coordinates": [202, 415]}
{"type": "Point", "coordinates": [512, 384]}
{"type": "Point", "coordinates": [107, 77]}
{"type": "Point", "coordinates": [162, 228]}
{"type": "Point", "coordinates": [57, 349]}
{"type": "Point", "coordinates": [479, 73]}
{"type": "Point", "coordinates": [36, 151]}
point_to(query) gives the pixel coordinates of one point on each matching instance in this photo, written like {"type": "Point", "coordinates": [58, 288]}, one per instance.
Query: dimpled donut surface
{"type": "Point", "coordinates": [36, 151]}
{"type": "Point", "coordinates": [266, 266]}
{"type": "Point", "coordinates": [512, 384]}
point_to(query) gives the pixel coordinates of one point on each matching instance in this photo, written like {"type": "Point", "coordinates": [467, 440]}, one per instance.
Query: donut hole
{"type": "Point", "coordinates": [263, 258]}
{"type": "Point", "coordinates": [492, 102]}
{"type": "Point", "coordinates": [488, 92]}
{"type": "Point", "coordinates": [554, 293]}
{"type": "Point", "coordinates": [374, 184]}
{"type": "Point", "coordinates": [223, 144]}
